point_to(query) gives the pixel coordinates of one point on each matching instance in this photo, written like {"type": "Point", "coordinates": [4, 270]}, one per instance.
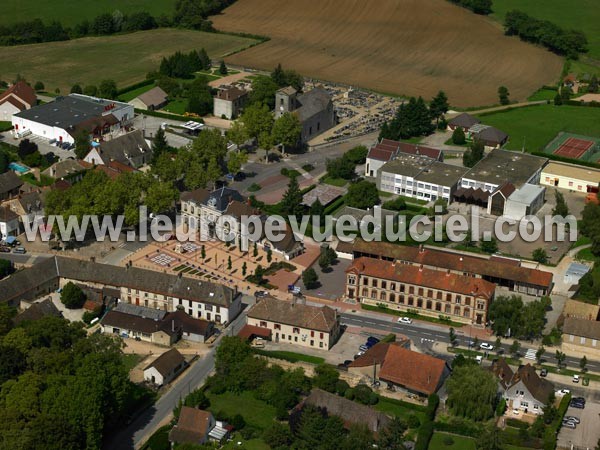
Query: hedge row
{"type": "Point", "coordinates": [426, 431]}
{"type": "Point", "coordinates": [461, 427]}
{"type": "Point", "coordinates": [592, 104]}
{"type": "Point", "coordinates": [578, 162]}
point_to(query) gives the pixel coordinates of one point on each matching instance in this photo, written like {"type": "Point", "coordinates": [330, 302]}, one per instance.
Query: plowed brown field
{"type": "Point", "coordinates": [410, 47]}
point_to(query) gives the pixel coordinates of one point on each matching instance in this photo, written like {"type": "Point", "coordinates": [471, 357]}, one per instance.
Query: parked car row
{"type": "Point", "coordinates": [571, 422]}
{"type": "Point", "coordinates": [61, 144]}
{"type": "Point", "coordinates": [577, 402]}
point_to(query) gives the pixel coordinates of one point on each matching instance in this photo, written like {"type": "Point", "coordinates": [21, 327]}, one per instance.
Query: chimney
{"type": "Point", "coordinates": [421, 268]}
{"type": "Point", "coordinates": [448, 273]}
{"type": "Point", "coordinates": [421, 248]}
{"type": "Point", "coordinates": [173, 326]}
{"type": "Point", "coordinates": [179, 274]}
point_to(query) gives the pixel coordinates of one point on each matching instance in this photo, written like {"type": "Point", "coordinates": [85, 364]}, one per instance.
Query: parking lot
{"type": "Point", "coordinates": [587, 433]}
{"type": "Point", "coordinates": [43, 146]}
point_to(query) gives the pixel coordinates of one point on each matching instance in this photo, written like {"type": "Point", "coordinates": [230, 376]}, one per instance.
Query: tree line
{"type": "Point", "coordinates": [184, 65]}
{"type": "Point", "coordinates": [483, 7]}
{"type": "Point", "coordinates": [569, 43]}
{"type": "Point", "coordinates": [192, 14]}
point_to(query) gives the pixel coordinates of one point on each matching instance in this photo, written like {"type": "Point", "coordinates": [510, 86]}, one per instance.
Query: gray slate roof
{"type": "Point", "coordinates": [9, 181]}
{"type": "Point", "coordinates": [154, 97]}
{"type": "Point", "coordinates": [69, 111]}
{"type": "Point", "coordinates": [125, 147]}
{"type": "Point", "coordinates": [312, 103]}
{"type": "Point", "coordinates": [135, 278]}
{"type": "Point", "coordinates": [167, 362]}
{"type": "Point", "coordinates": [38, 311]}
{"type": "Point", "coordinates": [464, 120]}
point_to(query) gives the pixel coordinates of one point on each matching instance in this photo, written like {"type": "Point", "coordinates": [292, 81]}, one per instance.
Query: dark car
{"type": "Point", "coordinates": [372, 339]}
{"type": "Point", "coordinates": [577, 404]}
{"type": "Point", "coordinates": [240, 176]}
{"type": "Point", "coordinates": [260, 294]}
{"type": "Point", "coordinates": [347, 362]}
{"type": "Point", "coordinates": [4, 249]}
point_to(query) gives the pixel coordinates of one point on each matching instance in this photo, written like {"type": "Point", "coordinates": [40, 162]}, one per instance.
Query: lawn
{"type": "Point", "coordinates": [460, 442]}
{"type": "Point", "coordinates": [71, 12]}
{"type": "Point", "coordinates": [131, 360]}
{"type": "Point", "coordinates": [255, 412]}
{"type": "Point", "coordinates": [125, 58]}
{"type": "Point", "coordinates": [130, 95]}
{"type": "Point", "coordinates": [538, 125]}
{"type": "Point", "coordinates": [339, 182]}
{"type": "Point", "coordinates": [586, 255]}
{"type": "Point", "coordinates": [291, 356]}
{"type": "Point", "coordinates": [176, 106]}
{"type": "Point", "coordinates": [581, 15]}
{"type": "Point", "coordinates": [252, 444]}
{"type": "Point", "coordinates": [399, 408]}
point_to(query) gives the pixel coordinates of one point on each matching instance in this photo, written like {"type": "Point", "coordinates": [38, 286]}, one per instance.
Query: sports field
{"type": "Point", "coordinates": [71, 12]}
{"type": "Point", "coordinates": [538, 125]}
{"type": "Point", "coordinates": [581, 15]}
{"type": "Point", "coordinates": [124, 58]}
{"type": "Point", "coordinates": [404, 47]}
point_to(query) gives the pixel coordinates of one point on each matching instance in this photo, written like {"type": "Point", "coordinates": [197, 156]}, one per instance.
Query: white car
{"type": "Point", "coordinates": [479, 359]}
{"type": "Point", "coordinates": [486, 346]}
{"type": "Point", "coordinates": [406, 320]}
{"type": "Point", "coordinates": [562, 392]}
{"type": "Point", "coordinates": [575, 378]}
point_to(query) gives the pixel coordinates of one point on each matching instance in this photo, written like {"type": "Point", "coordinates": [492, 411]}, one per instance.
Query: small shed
{"type": "Point", "coordinates": [165, 368]}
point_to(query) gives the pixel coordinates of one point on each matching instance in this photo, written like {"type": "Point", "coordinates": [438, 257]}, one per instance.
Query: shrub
{"type": "Point", "coordinates": [424, 436]}
{"type": "Point", "coordinates": [516, 423]}
{"type": "Point", "coordinates": [413, 421]}
{"type": "Point", "coordinates": [448, 441]}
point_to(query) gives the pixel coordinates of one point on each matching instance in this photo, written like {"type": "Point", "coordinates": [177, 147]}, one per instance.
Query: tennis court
{"type": "Point", "coordinates": [574, 146]}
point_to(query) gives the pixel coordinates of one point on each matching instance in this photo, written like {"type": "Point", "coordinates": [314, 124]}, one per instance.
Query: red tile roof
{"type": "Point", "coordinates": [429, 278]}
{"type": "Point", "coordinates": [192, 427]}
{"type": "Point", "coordinates": [22, 91]}
{"type": "Point", "coordinates": [454, 261]}
{"type": "Point", "coordinates": [249, 331]}
{"type": "Point", "coordinates": [415, 371]}
{"type": "Point", "coordinates": [380, 153]}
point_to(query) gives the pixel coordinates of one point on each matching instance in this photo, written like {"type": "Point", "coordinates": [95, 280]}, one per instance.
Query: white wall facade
{"type": "Point", "coordinates": [7, 109]}
{"type": "Point", "coordinates": [411, 187]}
{"type": "Point", "coordinates": [372, 167]}
{"type": "Point", "coordinates": [222, 107]}
{"type": "Point", "coordinates": [290, 334]}
{"type": "Point", "coordinates": [21, 124]}
{"type": "Point", "coordinates": [564, 182]}
{"type": "Point", "coordinates": [10, 228]}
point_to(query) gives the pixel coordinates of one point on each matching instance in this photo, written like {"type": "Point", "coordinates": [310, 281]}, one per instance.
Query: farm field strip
{"type": "Point", "coordinates": [404, 47]}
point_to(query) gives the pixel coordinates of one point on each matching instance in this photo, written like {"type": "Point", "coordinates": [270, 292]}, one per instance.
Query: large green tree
{"type": "Point", "coordinates": [257, 119]}
{"type": "Point", "coordinates": [286, 131]}
{"type": "Point", "coordinates": [263, 92]}
{"type": "Point", "coordinates": [72, 296]}
{"type": "Point", "coordinates": [291, 203]}
{"type": "Point", "coordinates": [362, 195]}
{"type": "Point", "coordinates": [472, 393]}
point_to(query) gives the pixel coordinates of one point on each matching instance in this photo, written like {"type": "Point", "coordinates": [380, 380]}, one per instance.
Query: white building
{"type": "Point", "coordinates": [570, 176]}
{"type": "Point", "coordinates": [527, 200]}
{"type": "Point", "coordinates": [419, 177]}
{"type": "Point", "coordinates": [19, 97]}
{"type": "Point", "coordinates": [63, 118]}
{"type": "Point", "coordinates": [165, 368]}
{"type": "Point", "coordinates": [9, 223]}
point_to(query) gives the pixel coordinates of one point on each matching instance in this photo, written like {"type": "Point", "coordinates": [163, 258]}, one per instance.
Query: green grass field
{"type": "Point", "coordinates": [460, 442]}
{"type": "Point", "coordinates": [398, 409]}
{"type": "Point", "coordinates": [542, 94]}
{"type": "Point", "coordinates": [255, 412]}
{"type": "Point", "coordinates": [71, 12]}
{"type": "Point", "coordinates": [124, 58]}
{"type": "Point", "coordinates": [540, 124]}
{"type": "Point", "coordinates": [581, 15]}
{"type": "Point", "coordinates": [130, 95]}
{"type": "Point", "coordinates": [176, 106]}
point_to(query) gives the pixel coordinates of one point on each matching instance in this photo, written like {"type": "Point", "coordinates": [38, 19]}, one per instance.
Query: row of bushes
{"type": "Point", "coordinates": [135, 86]}
{"type": "Point", "coordinates": [426, 431]}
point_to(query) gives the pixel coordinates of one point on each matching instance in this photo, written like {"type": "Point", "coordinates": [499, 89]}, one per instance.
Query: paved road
{"type": "Point", "coordinates": [148, 422]}
{"type": "Point", "coordinates": [430, 332]}
{"type": "Point", "coordinates": [258, 172]}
